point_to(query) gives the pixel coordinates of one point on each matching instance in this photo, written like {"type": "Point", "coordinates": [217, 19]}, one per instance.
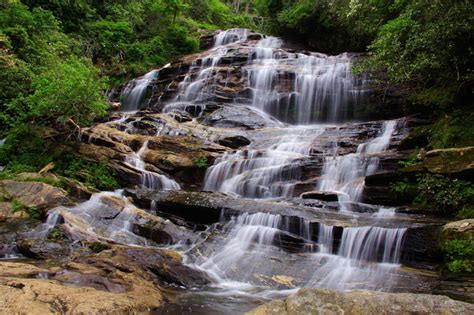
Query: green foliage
{"type": "Point", "coordinates": [443, 193]}
{"type": "Point", "coordinates": [401, 188]}
{"type": "Point", "coordinates": [467, 212]}
{"type": "Point", "coordinates": [17, 206]}
{"type": "Point", "coordinates": [55, 234]}
{"type": "Point", "coordinates": [93, 174]}
{"type": "Point", "coordinates": [412, 159]}
{"type": "Point", "coordinates": [33, 212]}
{"type": "Point", "coordinates": [452, 130]}
{"type": "Point", "coordinates": [201, 162]}
{"type": "Point", "coordinates": [97, 247]}
{"type": "Point", "coordinates": [458, 255]}
{"type": "Point", "coordinates": [25, 150]}
{"type": "Point", "coordinates": [69, 90]}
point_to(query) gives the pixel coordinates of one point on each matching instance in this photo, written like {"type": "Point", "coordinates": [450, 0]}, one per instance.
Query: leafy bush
{"type": "Point", "coordinates": [93, 174]}
{"type": "Point", "coordinates": [446, 194]}
{"type": "Point", "coordinates": [25, 150]}
{"type": "Point", "coordinates": [69, 90]}
{"type": "Point", "coordinates": [458, 255]}
{"type": "Point", "coordinates": [201, 163]}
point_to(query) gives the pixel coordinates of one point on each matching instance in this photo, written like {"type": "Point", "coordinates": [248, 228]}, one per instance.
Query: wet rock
{"type": "Point", "coordinates": [235, 116]}
{"type": "Point", "coordinates": [33, 194]}
{"type": "Point", "coordinates": [42, 248]}
{"type": "Point", "coordinates": [234, 142]}
{"type": "Point", "coordinates": [163, 265]}
{"type": "Point", "coordinates": [77, 189]}
{"type": "Point", "coordinates": [324, 301]}
{"type": "Point", "coordinates": [170, 155]}
{"type": "Point", "coordinates": [320, 195]}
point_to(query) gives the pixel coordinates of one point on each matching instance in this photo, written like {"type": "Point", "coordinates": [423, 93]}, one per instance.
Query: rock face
{"type": "Point", "coordinates": [463, 229]}
{"type": "Point", "coordinates": [322, 301]}
{"type": "Point", "coordinates": [456, 162]}
{"type": "Point", "coordinates": [320, 195]}
{"type": "Point", "coordinates": [117, 281]}
{"type": "Point", "coordinates": [33, 194]}
{"type": "Point", "coordinates": [170, 155]}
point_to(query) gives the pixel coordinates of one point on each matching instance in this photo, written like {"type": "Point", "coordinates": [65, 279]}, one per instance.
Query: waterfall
{"type": "Point", "coordinates": [367, 258]}
{"type": "Point", "coordinates": [265, 170]}
{"type": "Point", "coordinates": [150, 179]}
{"type": "Point", "coordinates": [245, 244]}
{"type": "Point", "coordinates": [345, 174]}
{"type": "Point", "coordinates": [324, 88]}
{"type": "Point", "coordinates": [230, 36]}
{"type": "Point", "coordinates": [133, 96]}
{"type": "Point", "coordinates": [325, 238]}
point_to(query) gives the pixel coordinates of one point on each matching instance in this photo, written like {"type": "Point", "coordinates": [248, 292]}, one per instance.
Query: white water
{"type": "Point", "coordinates": [244, 247]}
{"type": "Point", "coordinates": [324, 88]}
{"type": "Point", "coordinates": [150, 179]}
{"type": "Point", "coordinates": [230, 36]}
{"type": "Point", "coordinates": [345, 174]}
{"type": "Point", "coordinates": [366, 258]}
{"type": "Point", "coordinates": [266, 169]}
{"type": "Point", "coordinates": [134, 93]}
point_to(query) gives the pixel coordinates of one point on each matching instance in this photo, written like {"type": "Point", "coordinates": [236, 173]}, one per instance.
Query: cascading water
{"type": "Point", "coordinates": [230, 36]}
{"type": "Point", "coordinates": [324, 88]}
{"type": "Point", "coordinates": [133, 96]}
{"type": "Point", "coordinates": [245, 245]}
{"type": "Point", "coordinates": [266, 169]}
{"type": "Point", "coordinates": [150, 179]}
{"type": "Point", "coordinates": [345, 174]}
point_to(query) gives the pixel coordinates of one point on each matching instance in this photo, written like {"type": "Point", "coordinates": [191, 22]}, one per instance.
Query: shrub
{"type": "Point", "coordinates": [446, 194]}
{"type": "Point", "coordinates": [70, 90]}
{"type": "Point", "coordinates": [458, 255]}
{"type": "Point", "coordinates": [201, 162]}
{"type": "Point", "coordinates": [93, 174]}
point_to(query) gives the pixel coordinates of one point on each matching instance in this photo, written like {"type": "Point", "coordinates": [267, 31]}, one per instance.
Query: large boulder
{"type": "Point", "coordinates": [324, 301]}
{"type": "Point", "coordinates": [239, 116]}
{"type": "Point", "coordinates": [463, 229]}
{"type": "Point", "coordinates": [34, 194]}
{"type": "Point", "coordinates": [121, 280]}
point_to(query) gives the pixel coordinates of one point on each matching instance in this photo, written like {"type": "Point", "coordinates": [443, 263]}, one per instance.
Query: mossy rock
{"type": "Point", "coordinates": [463, 229]}
{"type": "Point", "coordinates": [457, 162]}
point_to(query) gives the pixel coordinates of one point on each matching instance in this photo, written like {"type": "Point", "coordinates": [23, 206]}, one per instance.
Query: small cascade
{"type": "Point", "coordinates": [362, 257]}
{"type": "Point", "coordinates": [325, 238]}
{"type": "Point", "coordinates": [230, 36]}
{"type": "Point", "coordinates": [150, 179]}
{"type": "Point", "coordinates": [266, 169]}
{"type": "Point", "coordinates": [106, 215]}
{"type": "Point", "coordinates": [197, 86]}
{"type": "Point", "coordinates": [367, 259]}
{"type": "Point", "coordinates": [245, 245]}
{"type": "Point", "coordinates": [345, 174]}
{"type": "Point", "coordinates": [133, 96]}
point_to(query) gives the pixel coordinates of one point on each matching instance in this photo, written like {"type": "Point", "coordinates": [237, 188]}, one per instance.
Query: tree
{"type": "Point", "coordinates": [70, 90]}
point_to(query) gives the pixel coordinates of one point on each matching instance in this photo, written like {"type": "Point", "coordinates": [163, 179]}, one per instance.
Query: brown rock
{"type": "Point", "coordinates": [324, 301]}
{"type": "Point", "coordinates": [34, 194]}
